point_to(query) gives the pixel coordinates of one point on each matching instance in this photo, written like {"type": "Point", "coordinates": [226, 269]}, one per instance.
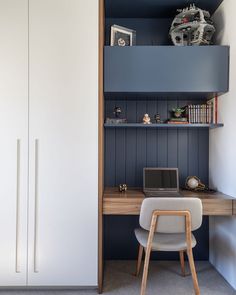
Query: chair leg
{"type": "Point", "coordinates": [140, 255]}
{"type": "Point", "coordinates": [181, 256]}
{"type": "Point", "coordinates": [193, 271]}
{"type": "Point", "coordinates": [145, 270]}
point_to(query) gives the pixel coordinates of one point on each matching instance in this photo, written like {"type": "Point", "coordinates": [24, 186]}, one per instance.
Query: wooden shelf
{"type": "Point", "coordinates": [140, 125]}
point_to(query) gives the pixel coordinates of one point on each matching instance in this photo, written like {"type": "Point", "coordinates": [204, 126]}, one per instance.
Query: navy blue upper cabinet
{"type": "Point", "coordinates": [166, 69]}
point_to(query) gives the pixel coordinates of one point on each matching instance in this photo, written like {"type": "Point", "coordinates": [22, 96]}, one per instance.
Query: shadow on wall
{"type": "Point", "coordinates": [220, 27]}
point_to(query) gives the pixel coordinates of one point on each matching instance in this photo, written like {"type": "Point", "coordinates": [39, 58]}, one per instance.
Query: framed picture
{"type": "Point", "coordinates": [121, 36]}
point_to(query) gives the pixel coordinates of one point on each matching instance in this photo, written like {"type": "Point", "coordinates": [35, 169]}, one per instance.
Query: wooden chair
{"type": "Point", "coordinates": [166, 224]}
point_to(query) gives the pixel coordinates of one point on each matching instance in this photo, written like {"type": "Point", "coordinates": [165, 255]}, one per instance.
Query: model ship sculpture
{"type": "Point", "coordinates": [192, 26]}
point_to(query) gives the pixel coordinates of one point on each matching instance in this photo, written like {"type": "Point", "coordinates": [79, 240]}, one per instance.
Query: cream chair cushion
{"type": "Point", "coordinates": [164, 242]}
{"type": "Point", "coordinates": [171, 224]}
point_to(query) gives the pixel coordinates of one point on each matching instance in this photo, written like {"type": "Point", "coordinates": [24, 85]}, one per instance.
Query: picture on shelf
{"type": "Point", "coordinates": [121, 36]}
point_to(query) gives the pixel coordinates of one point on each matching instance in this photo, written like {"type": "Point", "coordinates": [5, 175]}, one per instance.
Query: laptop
{"type": "Point", "coordinates": [161, 182]}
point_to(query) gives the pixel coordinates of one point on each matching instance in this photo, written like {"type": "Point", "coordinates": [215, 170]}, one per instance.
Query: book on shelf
{"type": "Point", "coordinates": [184, 119]}
{"type": "Point", "coordinates": [181, 120]}
{"type": "Point", "coordinates": [177, 122]}
{"type": "Point", "coordinates": [206, 113]}
{"type": "Point", "coordinates": [213, 103]}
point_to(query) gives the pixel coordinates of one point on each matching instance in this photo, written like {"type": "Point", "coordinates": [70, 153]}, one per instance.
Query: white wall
{"type": "Point", "coordinates": [223, 152]}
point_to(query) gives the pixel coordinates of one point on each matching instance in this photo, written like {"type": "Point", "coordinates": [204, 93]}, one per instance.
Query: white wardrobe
{"type": "Point", "coordinates": [48, 142]}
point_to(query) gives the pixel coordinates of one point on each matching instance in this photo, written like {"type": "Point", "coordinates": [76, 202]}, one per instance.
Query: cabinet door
{"type": "Point", "coordinates": [63, 124]}
{"type": "Point", "coordinates": [14, 140]}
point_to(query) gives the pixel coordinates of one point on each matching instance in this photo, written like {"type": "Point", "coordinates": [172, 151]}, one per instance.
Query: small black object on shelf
{"type": "Point", "coordinates": [157, 118]}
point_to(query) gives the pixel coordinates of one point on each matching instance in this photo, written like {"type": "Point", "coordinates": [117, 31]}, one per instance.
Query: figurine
{"type": "Point", "coordinates": [123, 187]}
{"type": "Point", "coordinates": [192, 26]}
{"type": "Point", "coordinates": [157, 118]}
{"type": "Point", "coordinates": [117, 120]}
{"type": "Point", "coordinates": [146, 119]}
{"type": "Point", "coordinates": [117, 112]}
{"type": "Point", "coordinates": [178, 112]}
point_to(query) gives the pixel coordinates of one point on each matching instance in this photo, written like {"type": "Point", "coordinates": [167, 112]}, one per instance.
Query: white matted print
{"type": "Point", "coordinates": [121, 36]}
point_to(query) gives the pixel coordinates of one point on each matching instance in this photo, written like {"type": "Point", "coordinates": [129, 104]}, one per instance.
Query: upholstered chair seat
{"type": "Point", "coordinates": [164, 242]}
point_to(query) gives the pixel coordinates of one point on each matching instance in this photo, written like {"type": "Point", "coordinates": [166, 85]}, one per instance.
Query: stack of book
{"type": "Point", "coordinates": [203, 113]}
{"type": "Point", "coordinates": [178, 121]}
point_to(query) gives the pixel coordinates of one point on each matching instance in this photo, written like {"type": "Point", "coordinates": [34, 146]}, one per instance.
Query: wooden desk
{"type": "Point", "coordinates": [234, 207]}
{"type": "Point", "coordinates": [129, 203]}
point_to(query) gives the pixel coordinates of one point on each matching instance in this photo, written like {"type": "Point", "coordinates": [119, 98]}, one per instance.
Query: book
{"type": "Point", "coordinates": [178, 119]}
{"type": "Point", "coordinates": [178, 122]}
{"type": "Point", "coordinates": [213, 110]}
{"type": "Point", "coordinates": [202, 113]}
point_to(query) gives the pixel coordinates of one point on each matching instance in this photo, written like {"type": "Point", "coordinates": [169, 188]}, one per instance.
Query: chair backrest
{"type": "Point", "coordinates": [171, 224]}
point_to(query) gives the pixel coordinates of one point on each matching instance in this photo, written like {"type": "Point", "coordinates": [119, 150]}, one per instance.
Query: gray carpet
{"type": "Point", "coordinates": [164, 279]}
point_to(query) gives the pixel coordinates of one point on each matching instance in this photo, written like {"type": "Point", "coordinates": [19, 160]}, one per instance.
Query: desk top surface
{"type": "Point", "coordinates": [137, 193]}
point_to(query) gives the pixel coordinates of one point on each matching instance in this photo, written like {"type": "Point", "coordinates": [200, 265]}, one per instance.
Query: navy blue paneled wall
{"type": "Point", "coordinates": [127, 151]}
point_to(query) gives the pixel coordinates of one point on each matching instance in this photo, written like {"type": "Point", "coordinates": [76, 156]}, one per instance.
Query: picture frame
{"type": "Point", "coordinates": [121, 36]}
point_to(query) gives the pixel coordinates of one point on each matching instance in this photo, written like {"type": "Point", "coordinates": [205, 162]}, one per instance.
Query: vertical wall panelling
{"type": "Point", "coordinates": [193, 152]}
{"type": "Point", "coordinates": [120, 155]}
{"type": "Point", "coordinates": [182, 155]}
{"type": "Point", "coordinates": [120, 241]}
{"type": "Point", "coordinates": [203, 163]}
{"type": "Point", "coordinates": [162, 150]}
{"type": "Point", "coordinates": [128, 151]}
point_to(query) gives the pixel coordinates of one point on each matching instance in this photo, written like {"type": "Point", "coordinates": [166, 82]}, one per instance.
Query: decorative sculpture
{"type": "Point", "coordinates": [178, 112]}
{"type": "Point", "coordinates": [123, 187]}
{"type": "Point", "coordinates": [117, 120]}
{"type": "Point", "coordinates": [157, 118]}
{"type": "Point", "coordinates": [146, 119]}
{"type": "Point", "coordinates": [192, 26]}
{"type": "Point", "coordinates": [117, 112]}
{"type": "Point", "coordinates": [194, 183]}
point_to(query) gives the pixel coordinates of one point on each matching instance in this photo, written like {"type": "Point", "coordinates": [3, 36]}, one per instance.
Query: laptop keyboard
{"type": "Point", "coordinates": [163, 195]}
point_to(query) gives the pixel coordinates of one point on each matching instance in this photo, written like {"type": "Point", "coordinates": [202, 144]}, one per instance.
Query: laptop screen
{"type": "Point", "coordinates": [161, 179]}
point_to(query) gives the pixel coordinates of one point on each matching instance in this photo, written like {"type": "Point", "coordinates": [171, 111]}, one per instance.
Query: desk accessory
{"type": "Point", "coordinates": [194, 183]}
{"type": "Point", "coordinates": [123, 187]}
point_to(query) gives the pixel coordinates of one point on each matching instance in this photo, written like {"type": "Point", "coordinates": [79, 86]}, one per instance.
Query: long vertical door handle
{"type": "Point", "coordinates": [17, 263]}
{"type": "Point", "coordinates": [36, 209]}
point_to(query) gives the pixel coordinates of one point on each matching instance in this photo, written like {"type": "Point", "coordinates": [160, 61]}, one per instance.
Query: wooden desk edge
{"type": "Point", "coordinates": [116, 203]}
{"type": "Point", "coordinates": [234, 207]}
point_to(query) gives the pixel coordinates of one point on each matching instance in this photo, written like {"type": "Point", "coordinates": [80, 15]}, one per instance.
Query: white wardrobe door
{"type": "Point", "coordinates": [63, 142]}
{"type": "Point", "coordinates": [13, 141]}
